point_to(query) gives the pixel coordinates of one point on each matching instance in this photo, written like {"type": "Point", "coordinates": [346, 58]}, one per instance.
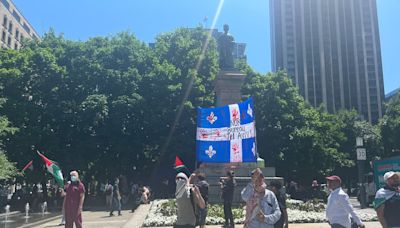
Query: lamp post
{"type": "Point", "coordinates": [361, 157]}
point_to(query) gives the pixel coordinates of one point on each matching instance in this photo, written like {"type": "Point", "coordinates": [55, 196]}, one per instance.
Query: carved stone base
{"type": "Point", "coordinates": [227, 86]}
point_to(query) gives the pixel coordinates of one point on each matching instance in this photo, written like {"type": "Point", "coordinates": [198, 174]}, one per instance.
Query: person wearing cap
{"type": "Point", "coordinates": [73, 201]}
{"type": "Point", "coordinates": [339, 209]}
{"type": "Point", "coordinates": [262, 207]}
{"type": "Point", "coordinates": [187, 198]}
{"type": "Point", "coordinates": [387, 201]}
{"type": "Point", "coordinates": [228, 188]}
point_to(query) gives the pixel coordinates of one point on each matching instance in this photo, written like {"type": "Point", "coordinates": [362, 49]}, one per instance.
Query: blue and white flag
{"type": "Point", "coordinates": [226, 134]}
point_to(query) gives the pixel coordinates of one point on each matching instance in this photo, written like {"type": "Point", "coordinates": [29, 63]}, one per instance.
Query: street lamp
{"type": "Point", "coordinates": [361, 157]}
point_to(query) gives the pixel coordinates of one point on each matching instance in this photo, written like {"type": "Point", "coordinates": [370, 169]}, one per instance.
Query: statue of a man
{"type": "Point", "coordinates": [225, 49]}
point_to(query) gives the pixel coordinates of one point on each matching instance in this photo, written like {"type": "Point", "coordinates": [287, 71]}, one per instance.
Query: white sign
{"type": "Point", "coordinates": [361, 154]}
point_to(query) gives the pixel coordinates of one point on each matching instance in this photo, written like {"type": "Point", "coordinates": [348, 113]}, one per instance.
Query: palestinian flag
{"type": "Point", "coordinates": [53, 169]}
{"type": "Point", "coordinates": [28, 166]}
{"type": "Point", "coordinates": [179, 166]}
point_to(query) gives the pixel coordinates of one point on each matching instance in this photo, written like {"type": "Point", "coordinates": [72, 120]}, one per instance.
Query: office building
{"type": "Point", "coordinates": [14, 27]}
{"type": "Point", "coordinates": [331, 50]}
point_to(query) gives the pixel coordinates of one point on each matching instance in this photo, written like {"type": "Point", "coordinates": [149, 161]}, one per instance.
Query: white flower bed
{"type": "Point", "coordinates": [156, 217]}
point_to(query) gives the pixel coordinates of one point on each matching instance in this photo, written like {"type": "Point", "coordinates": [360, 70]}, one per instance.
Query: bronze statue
{"type": "Point", "coordinates": [225, 49]}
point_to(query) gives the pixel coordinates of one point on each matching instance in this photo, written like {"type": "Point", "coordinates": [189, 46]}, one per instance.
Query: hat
{"type": "Point", "coordinates": [388, 175]}
{"type": "Point", "coordinates": [334, 178]}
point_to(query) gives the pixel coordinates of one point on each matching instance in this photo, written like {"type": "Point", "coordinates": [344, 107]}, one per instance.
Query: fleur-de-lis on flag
{"type": "Point", "coordinates": [210, 152]}
{"type": "Point", "coordinates": [249, 110]}
{"type": "Point", "coordinates": [212, 118]}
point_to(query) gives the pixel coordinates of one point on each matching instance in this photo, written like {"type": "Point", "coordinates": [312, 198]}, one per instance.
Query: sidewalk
{"type": "Point", "coordinates": [101, 219]}
{"type": "Point", "coordinates": [302, 225]}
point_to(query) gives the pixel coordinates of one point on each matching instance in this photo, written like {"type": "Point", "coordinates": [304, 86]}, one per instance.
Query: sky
{"type": "Point", "coordinates": [248, 21]}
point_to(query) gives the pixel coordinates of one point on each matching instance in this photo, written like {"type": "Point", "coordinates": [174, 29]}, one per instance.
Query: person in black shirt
{"type": "Point", "coordinates": [275, 186]}
{"type": "Point", "coordinates": [203, 187]}
{"type": "Point", "coordinates": [228, 187]}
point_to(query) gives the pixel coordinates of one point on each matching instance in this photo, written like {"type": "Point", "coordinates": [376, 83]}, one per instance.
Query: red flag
{"type": "Point", "coordinates": [53, 169]}
{"type": "Point", "coordinates": [180, 167]}
{"type": "Point", "coordinates": [178, 163]}
{"type": "Point", "coordinates": [28, 166]}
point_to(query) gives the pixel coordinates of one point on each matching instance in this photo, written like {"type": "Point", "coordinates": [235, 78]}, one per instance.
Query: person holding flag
{"type": "Point", "coordinates": [73, 201]}
{"type": "Point", "coordinates": [187, 197]}
{"type": "Point", "coordinates": [53, 169]}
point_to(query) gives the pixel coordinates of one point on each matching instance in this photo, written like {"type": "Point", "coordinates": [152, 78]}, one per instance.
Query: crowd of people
{"type": "Point", "coordinates": [266, 204]}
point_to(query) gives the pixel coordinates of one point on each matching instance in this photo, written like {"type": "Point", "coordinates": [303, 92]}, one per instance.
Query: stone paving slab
{"type": "Point", "coordinates": [93, 219]}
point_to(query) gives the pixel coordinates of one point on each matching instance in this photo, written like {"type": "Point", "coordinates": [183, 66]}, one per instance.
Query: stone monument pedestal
{"type": "Point", "coordinates": [214, 171]}
{"type": "Point", "coordinates": [227, 86]}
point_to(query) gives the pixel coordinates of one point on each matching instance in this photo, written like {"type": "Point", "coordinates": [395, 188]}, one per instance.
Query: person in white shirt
{"type": "Point", "coordinates": [339, 209]}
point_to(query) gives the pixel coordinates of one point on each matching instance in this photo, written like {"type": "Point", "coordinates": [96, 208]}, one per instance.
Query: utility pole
{"type": "Point", "coordinates": [361, 157]}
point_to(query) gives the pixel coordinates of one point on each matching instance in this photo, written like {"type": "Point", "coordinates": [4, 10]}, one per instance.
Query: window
{"type": "Point", "coordinates": [6, 4]}
{"type": "Point", "coordinates": [17, 34]}
{"type": "Point", "coordinates": [10, 27]}
{"type": "Point", "coordinates": [22, 37]}
{"type": "Point", "coordinates": [16, 16]}
{"type": "Point", "coordinates": [26, 27]}
{"type": "Point", "coordinates": [16, 46]}
{"type": "Point", "coordinates": [5, 20]}
{"type": "Point", "coordinates": [3, 36]}
{"type": "Point", "coordinates": [9, 41]}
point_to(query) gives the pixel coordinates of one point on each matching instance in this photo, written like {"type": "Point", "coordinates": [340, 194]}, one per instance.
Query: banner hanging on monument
{"type": "Point", "coordinates": [226, 134]}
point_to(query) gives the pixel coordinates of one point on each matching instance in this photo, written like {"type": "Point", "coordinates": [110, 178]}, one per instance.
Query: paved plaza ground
{"type": "Point", "coordinates": [100, 219]}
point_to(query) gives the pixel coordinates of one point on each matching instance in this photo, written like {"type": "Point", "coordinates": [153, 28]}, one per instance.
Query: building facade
{"type": "Point", "coordinates": [392, 94]}
{"type": "Point", "coordinates": [14, 26]}
{"type": "Point", "coordinates": [331, 49]}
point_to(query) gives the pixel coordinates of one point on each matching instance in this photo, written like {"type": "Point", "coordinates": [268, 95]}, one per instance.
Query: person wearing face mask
{"type": "Point", "coordinates": [387, 201]}
{"type": "Point", "coordinates": [73, 201]}
{"type": "Point", "coordinates": [262, 208]}
{"type": "Point", "coordinates": [187, 198]}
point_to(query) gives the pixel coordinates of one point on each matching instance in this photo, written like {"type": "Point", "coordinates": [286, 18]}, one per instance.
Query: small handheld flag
{"type": "Point", "coordinates": [53, 169]}
{"type": "Point", "coordinates": [179, 166]}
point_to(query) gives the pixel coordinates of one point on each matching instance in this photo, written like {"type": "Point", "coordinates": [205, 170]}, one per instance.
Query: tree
{"type": "Point", "coordinates": [390, 127]}
{"type": "Point", "coordinates": [105, 106]}
{"type": "Point", "coordinates": [303, 143]}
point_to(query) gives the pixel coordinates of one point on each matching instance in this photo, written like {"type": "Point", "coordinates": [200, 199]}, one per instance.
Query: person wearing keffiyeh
{"type": "Point", "coordinates": [262, 208]}
{"type": "Point", "coordinates": [187, 197]}
{"type": "Point", "coordinates": [387, 201]}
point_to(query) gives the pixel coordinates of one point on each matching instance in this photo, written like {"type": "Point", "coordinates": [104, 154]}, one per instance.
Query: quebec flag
{"type": "Point", "coordinates": [226, 134]}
